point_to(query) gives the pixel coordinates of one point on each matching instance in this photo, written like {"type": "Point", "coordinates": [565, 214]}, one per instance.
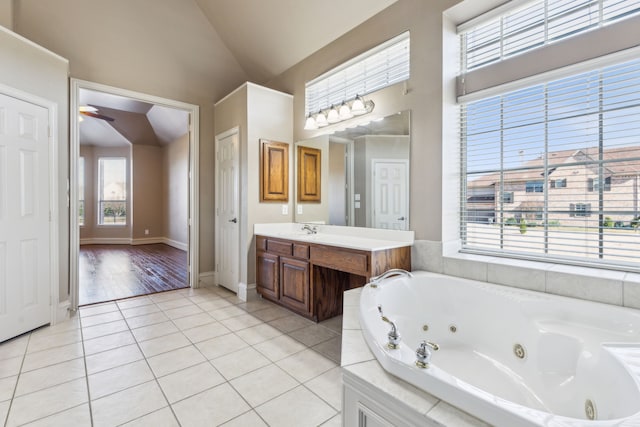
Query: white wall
{"type": "Point", "coordinates": [175, 185]}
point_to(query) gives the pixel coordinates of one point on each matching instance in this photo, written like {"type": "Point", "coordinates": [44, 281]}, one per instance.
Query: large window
{"type": "Point", "coordinates": [563, 137]}
{"type": "Point", "coordinates": [112, 190]}
{"type": "Point", "coordinates": [81, 187]}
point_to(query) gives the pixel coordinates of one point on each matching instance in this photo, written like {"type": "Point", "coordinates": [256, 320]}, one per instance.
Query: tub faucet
{"type": "Point", "coordinates": [423, 353]}
{"type": "Point", "coordinates": [310, 229]}
{"type": "Point", "coordinates": [389, 273]}
{"type": "Point", "coordinates": [393, 335]}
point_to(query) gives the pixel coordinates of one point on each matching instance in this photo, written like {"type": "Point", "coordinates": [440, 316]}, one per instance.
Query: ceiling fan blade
{"type": "Point", "coordinates": [97, 116]}
{"type": "Point", "coordinates": [88, 108]}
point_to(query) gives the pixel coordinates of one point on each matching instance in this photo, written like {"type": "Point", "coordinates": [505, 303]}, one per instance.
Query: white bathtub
{"type": "Point", "coordinates": [574, 350]}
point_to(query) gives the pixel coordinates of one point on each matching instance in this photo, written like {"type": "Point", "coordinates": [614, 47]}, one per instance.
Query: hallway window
{"type": "Point", "coordinates": [81, 191]}
{"type": "Point", "coordinates": [112, 203]}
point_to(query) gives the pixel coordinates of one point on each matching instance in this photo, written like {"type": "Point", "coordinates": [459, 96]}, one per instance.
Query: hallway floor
{"type": "Point", "coordinates": [111, 272]}
{"type": "Point", "coordinates": [179, 358]}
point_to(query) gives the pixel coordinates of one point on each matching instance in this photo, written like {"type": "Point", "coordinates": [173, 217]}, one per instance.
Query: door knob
{"type": "Point", "coordinates": [401, 218]}
{"type": "Point", "coordinates": [234, 220]}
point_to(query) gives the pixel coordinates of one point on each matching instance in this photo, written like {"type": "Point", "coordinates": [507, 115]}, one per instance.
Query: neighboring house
{"type": "Point", "coordinates": [572, 185]}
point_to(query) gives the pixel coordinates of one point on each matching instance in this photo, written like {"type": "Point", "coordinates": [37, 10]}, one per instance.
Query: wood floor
{"type": "Point", "coordinates": [110, 272]}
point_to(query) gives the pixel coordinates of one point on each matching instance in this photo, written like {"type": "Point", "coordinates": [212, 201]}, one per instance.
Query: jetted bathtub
{"type": "Point", "coordinates": [508, 356]}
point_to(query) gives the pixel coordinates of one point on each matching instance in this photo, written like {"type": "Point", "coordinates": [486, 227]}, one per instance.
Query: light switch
{"type": "Point", "coordinates": [357, 205]}
{"type": "Point", "coordinates": [285, 209]}
{"type": "Point", "coordinates": [357, 196]}
{"type": "Point", "coordinates": [299, 209]}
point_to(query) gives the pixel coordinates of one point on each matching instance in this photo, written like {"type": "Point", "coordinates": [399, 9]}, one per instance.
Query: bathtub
{"type": "Point", "coordinates": [510, 357]}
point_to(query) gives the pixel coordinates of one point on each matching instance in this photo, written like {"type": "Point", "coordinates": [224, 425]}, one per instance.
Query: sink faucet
{"type": "Point", "coordinates": [423, 353]}
{"type": "Point", "coordinates": [389, 273]}
{"type": "Point", "coordinates": [310, 229]}
{"type": "Point", "coordinates": [393, 335]}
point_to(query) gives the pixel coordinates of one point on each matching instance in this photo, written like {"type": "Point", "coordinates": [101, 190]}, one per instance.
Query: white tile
{"type": "Point", "coordinates": [593, 285]}
{"type": "Point", "coordinates": [108, 342]}
{"type": "Point", "coordinates": [47, 341]}
{"type": "Point", "coordinates": [104, 329]}
{"type": "Point", "coordinates": [250, 418]}
{"type": "Point", "coordinates": [172, 361]}
{"type": "Point", "coordinates": [328, 386]}
{"type": "Point", "coordinates": [7, 387]}
{"type": "Point", "coordinates": [259, 333]}
{"type": "Point", "coordinates": [219, 346]}
{"type": "Point", "coordinates": [49, 401]}
{"type": "Point", "coordinates": [165, 296]}
{"type": "Point", "coordinates": [212, 407]}
{"type": "Point", "coordinates": [469, 269]}
{"type": "Point", "coordinates": [354, 348]}
{"type": "Point", "coordinates": [76, 416]}
{"type": "Point", "coordinates": [306, 365]}
{"type": "Point", "coordinates": [161, 418]}
{"type": "Point", "coordinates": [10, 367]}
{"type": "Point", "coordinates": [255, 305]}
{"type": "Point", "coordinates": [180, 312]}
{"type": "Point", "coordinates": [110, 359]}
{"type": "Point", "coordinates": [14, 347]}
{"type": "Point", "coordinates": [290, 323]}
{"type": "Point", "coordinates": [146, 320]}
{"type": "Point", "coordinates": [312, 335]}
{"type": "Point", "coordinates": [128, 404]}
{"type": "Point", "coordinates": [213, 305]}
{"type": "Point", "coordinates": [193, 321]}
{"type": "Point", "coordinates": [239, 362]}
{"type": "Point", "coordinates": [140, 310]}
{"type": "Point", "coordinates": [336, 421]}
{"type": "Point", "coordinates": [4, 410]}
{"type": "Point", "coordinates": [190, 381]}
{"type": "Point", "coordinates": [331, 348]}
{"type": "Point", "coordinates": [296, 408]}
{"type": "Point", "coordinates": [351, 298]}
{"type": "Point", "coordinates": [154, 331]}
{"type": "Point", "coordinates": [174, 303]}
{"type": "Point", "coordinates": [92, 310]}
{"type": "Point", "coordinates": [227, 312]}
{"type": "Point", "coordinates": [163, 344]}
{"type": "Point", "coordinates": [52, 356]}
{"type": "Point", "coordinates": [447, 415]}
{"type": "Point", "coordinates": [631, 297]}
{"type": "Point", "coordinates": [63, 325]}
{"type": "Point", "coordinates": [99, 319]}
{"type": "Point", "coordinates": [427, 255]}
{"type": "Point", "coordinates": [119, 378]}
{"type": "Point", "coordinates": [334, 324]}
{"type": "Point", "coordinates": [50, 376]}
{"type": "Point", "coordinates": [279, 347]}
{"type": "Point", "coordinates": [205, 332]}
{"type": "Point", "coordinates": [518, 276]}
{"type": "Point", "coordinates": [272, 313]}
{"type": "Point", "coordinates": [134, 302]}
{"type": "Point", "coordinates": [264, 384]}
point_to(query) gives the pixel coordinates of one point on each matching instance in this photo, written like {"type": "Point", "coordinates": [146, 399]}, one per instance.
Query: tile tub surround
{"type": "Point", "coordinates": [186, 357]}
{"type": "Point", "coordinates": [592, 284]}
{"type": "Point", "coordinates": [359, 364]}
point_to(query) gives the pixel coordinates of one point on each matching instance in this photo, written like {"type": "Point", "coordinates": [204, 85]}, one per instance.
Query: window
{"type": "Point", "coordinates": [576, 122]}
{"type": "Point", "coordinates": [534, 186]}
{"type": "Point", "coordinates": [507, 197]}
{"type": "Point", "coordinates": [112, 203]}
{"type": "Point", "coordinates": [375, 69]}
{"type": "Point", "coordinates": [81, 191]}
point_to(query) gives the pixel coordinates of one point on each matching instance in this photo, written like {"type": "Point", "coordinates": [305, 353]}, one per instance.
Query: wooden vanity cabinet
{"type": "Point", "coordinates": [309, 278]}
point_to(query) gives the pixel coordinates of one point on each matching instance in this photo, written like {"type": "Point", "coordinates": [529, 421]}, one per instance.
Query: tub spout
{"type": "Point", "coordinates": [389, 273]}
{"type": "Point", "coordinates": [423, 353]}
{"type": "Point", "coordinates": [393, 335]}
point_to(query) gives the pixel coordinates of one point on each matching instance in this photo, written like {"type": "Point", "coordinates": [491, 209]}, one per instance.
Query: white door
{"type": "Point", "coordinates": [227, 210]}
{"type": "Point", "coordinates": [390, 194]}
{"type": "Point", "coordinates": [24, 217]}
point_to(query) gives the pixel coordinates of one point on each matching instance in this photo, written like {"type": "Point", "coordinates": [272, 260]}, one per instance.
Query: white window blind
{"type": "Point", "coordinates": [529, 25]}
{"type": "Point", "coordinates": [375, 69]}
{"type": "Point", "coordinates": [552, 171]}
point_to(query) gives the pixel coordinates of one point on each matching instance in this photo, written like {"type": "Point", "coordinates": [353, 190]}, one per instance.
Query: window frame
{"type": "Point", "coordinates": [100, 187]}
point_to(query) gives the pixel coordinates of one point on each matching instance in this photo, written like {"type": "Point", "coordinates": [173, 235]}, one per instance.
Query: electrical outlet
{"type": "Point", "coordinates": [285, 209]}
{"type": "Point", "coordinates": [146, 231]}
{"type": "Point", "coordinates": [299, 209]}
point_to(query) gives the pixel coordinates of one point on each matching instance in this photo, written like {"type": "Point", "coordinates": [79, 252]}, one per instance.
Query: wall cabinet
{"type": "Point", "coordinates": [310, 278]}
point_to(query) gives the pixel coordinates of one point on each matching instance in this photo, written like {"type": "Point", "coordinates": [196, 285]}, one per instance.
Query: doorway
{"type": "Point", "coordinates": [133, 159]}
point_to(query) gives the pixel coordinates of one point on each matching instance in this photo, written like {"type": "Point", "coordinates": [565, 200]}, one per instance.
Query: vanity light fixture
{"type": "Point", "coordinates": [346, 111]}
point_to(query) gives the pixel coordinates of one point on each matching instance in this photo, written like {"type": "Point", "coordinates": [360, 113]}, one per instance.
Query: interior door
{"type": "Point", "coordinates": [227, 209]}
{"type": "Point", "coordinates": [24, 217]}
{"type": "Point", "coordinates": [390, 194]}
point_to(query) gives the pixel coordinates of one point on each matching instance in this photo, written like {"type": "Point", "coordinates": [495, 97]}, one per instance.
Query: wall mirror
{"type": "Point", "coordinates": [364, 176]}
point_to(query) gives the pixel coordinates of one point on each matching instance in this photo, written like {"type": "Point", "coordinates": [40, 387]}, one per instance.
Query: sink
{"type": "Point", "coordinates": [298, 235]}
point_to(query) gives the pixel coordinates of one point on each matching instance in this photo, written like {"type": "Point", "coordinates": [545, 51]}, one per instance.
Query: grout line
{"type": "Point", "coordinates": [15, 387]}
{"type": "Point", "coordinates": [86, 373]}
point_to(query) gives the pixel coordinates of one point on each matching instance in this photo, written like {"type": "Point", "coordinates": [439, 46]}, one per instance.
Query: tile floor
{"type": "Point", "coordinates": [180, 358]}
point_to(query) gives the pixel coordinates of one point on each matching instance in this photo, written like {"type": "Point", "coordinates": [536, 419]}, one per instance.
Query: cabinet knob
{"type": "Point", "coordinates": [401, 218]}
{"type": "Point", "coordinates": [234, 220]}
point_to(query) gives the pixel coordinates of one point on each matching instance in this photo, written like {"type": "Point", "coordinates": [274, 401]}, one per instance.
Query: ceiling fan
{"type": "Point", "coordinates": [88, 110]}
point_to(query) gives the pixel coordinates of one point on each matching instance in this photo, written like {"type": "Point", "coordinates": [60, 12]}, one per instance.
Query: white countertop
{"type": "Point", "coordinates": [367, 239]}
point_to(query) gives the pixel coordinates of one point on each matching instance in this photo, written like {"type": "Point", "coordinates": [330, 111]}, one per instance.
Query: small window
{"type": "Point", "coordinates": [535, 186]}
{"type": "Point", "coordinates": [112, 203]}
{"type": "Point", "coordinates": [580, 209]}
{"type": "Point", "coordinates": [558, 183]}
{"type": "Point", "coordinates": [507, 197]}
{"type": "Point", "coordinates": [593, 184]}
{"type": "Point", "coordinates": [81, 191]}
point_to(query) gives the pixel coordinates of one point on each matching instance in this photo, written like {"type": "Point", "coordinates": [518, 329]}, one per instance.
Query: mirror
{"type": "Point", "coordinates": [364, 176]}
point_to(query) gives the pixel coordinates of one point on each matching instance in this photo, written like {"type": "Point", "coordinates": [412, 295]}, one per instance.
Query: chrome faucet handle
{"type": "Point", "coordinates": [393, 335]}
{"type": "Point", "coordinates": [423, 353]}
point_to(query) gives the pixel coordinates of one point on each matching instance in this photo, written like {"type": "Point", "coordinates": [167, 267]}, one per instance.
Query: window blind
{"type": "Point", "coordinates": [375, 69]}
{"type": "Point", "coordinates": [552, 170]}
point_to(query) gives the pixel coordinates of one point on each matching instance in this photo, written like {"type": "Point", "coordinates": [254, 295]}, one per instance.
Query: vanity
{"type": "Point", "coordinates": [308, 272]}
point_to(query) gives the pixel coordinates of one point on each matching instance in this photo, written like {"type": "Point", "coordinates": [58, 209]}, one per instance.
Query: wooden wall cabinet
{"type": "Point", "coordinates": [309, 174]}
{"type": "Point", "coordinates": [274, 171]}
{"type": "Point", "coordinates": [310, 278]}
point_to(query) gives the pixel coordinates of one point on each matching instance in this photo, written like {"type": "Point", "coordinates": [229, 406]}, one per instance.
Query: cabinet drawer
{"type": "Point", "coordinates": [261, 244]}
{"type": "Point", "coordinates": [280, 248]}
{"type": "Point", "coordinates": [301, 251]}
{"type": "Point", "coordinates": [338, 259]}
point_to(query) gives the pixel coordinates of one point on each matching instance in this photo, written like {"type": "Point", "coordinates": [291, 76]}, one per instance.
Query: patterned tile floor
{"type": "Point", "coordinates": [180, 358]}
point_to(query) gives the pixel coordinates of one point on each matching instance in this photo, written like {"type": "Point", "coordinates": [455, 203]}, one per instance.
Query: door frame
{"type": "Point", "coordinates": [233, 131]}
{"type": "Point", "coordinates": [52, 114]}
{"type": "Point", "coordinates": [194, 176]}
{"type": "Point", "coordinates": [372, 209]}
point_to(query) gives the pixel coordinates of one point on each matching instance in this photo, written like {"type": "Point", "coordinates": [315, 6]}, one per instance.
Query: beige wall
{"type": "Point", "coordinates": [33, 70]}
{"type": "Point", "coordinates": [423, 97]}
{"type": "Point", "coordinates": [175, 188]}
{"type": "Point", "coordinates": [316, 211]}
{"type": "Point", "coordinates": [147, 196]}
{"type": "Point", "coordinates": [6, 13]}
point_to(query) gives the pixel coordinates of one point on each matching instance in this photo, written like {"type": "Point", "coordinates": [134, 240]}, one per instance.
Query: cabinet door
{"type": "Point", "coordinates": [294, 279]}
{"type": "Point", "coordinates": [267, 275]}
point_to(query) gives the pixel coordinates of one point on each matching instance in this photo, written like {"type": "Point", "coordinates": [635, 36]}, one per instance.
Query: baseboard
{"type": "Point", "coordinates": [207, 278]}
{"type": "Point", "coordinates": [105, 241]}
{"type": "Point", "coordinates": [62, 312]}
{"type": "Point", "coordinates": [134, 242]}
{"type": "Point", "coordinates": [175, 244]}
{"type": "Point", "coordinates": [252, 294]}
{"type": "Point", "coordinates": [147, 241]}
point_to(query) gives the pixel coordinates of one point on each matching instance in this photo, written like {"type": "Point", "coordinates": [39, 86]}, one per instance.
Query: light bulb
{"type": "Point", "coordinates": [310, 124]}
{"type": "Point", "coordinates": [321, 120]}
{"type": "Point", "coordinates": [345, 112]}
{"type": "Point", "coordinates": [333, 116]}
{"type": "Point", "coordinates": [358, 108]}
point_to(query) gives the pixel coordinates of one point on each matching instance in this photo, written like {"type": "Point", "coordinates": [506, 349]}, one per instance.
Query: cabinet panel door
{"type": "Point", "coordinates": [294, 275]}
{"type": "Point", "coordinates": [267, 275]}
